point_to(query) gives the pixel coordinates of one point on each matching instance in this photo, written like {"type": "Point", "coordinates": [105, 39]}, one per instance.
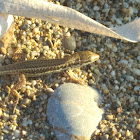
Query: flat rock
{"type": "Point", "coordinates": [73, 111]}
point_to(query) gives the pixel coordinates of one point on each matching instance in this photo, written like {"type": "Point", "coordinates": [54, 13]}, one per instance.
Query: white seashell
{"type": "Point", "coordinates": [5, 23]}
{"type": "Point", "coordinates": [68, 17]}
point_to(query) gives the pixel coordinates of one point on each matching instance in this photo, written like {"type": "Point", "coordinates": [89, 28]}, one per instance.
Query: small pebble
{"type": "Point", "coordinates": [105, 91]}
{"type": "Point", "coordinates": [69, 42]}
{"type": "Point", "coordinates": [17, 133]}
{"type": "Point", "coordinates": [26, 101]}
{"type": "Point", "coordinates": [0, 112]}
{"type": "Point", "coordinates": [131, 11]}
{"type": "Point", "coordinates": [24, 132]}
{"type": "Point", "coordinates": [139, 101]}
{"type": "Point", "coordinates": [3, 50]}
{"type": "Point", "coordinates": [49, 90]}
{"type": "Point", "coordinates": [118, 102]}
{"type": "Point", "coordinates": [97, 72]}
{"type": "Point", "coordinates": [138, 126]}
{"type": "Point", "coordinates": [78, 6]}
{"type": "Point", "coordinates": [119, 21]}
{"type": "Point", "coordinates": [25, 122]}
{"type": "Point", "coordinates": [109, 66]}
{"type": "Point", "coordinates": [96, 8]}
{"type": "Point", "coordinates": [30, 122]}
{"type": "Point", "coordinates": [113, 73]}
{"type": "Point", "coordinates": [33, 82]}
{"type": "Point", "coordinates": [36, 30]}
{"type": "Point", "coordinates": [132, 99]}
{"type": "Point", "coordinates": [109, 117]}
{"type": "Point", "coordinates": [5, 116]}
{"type": "Point", "coordinates": [62, 1]}
{"type": "Point", "coordinates": [12, 127]}
{"type": "Point", "coordinates": [138, 58]}
{"type": "Point", "coordinates": [119, 110]}
{"type": "Point", "coordinates": [123, 62]}
{"type": "Point", "coordinates": [116, 87]}
{"type": "Point", "coordinates": [129, 78]}
{"type": "Point", "coordinates": [126, 5]}
{"type": "Point", "coordinates": [46, 48]}
{"type": "Point", "coordinates": [136, 71]}
{"type": "Point", "coordinates": [128, 133]}
{"type": "Point", "coordinates": [137, 88]}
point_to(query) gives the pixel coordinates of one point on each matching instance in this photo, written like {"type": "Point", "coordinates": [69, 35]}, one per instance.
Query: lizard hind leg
{"type": "Point", "coordinates": [14, 90]}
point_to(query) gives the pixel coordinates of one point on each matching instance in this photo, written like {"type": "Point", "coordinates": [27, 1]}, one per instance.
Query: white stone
{"type": "Point", "coordinates": [129, 65]}
{"type": "Point", "coordinates": [123, 71]}
{"type": "Point", "coordinates": [138, 126]}
{"type": "Point", "coordinates": [1, 137]}
{"type": "Point", "coordinates": [130, 78]}
{"type": "Point", "coordinates": [104, 86]}
{"type": "Point", "coordinates": [124, 89]}
{"type": "Point", "coordinates": [96, 8]}
{"type": "Point", "coordinates": [5, 116]}
{"type": "Point", "coordinates": [78, 6]}
{"type": "Point", "coordinates": [136, 71]}
{"type": "Point", "coordinates": [30, 122]}
{"type": "Point", "coordinates": [131, 11]}
{"type": "Point", "coordinates": [46, 48]}
{"type": "Point", "coordinates": [138, 58]}
{"type": "Point", "coordinates": [116, 82]}
{"type": "Point", "coordinates": [34, 53]}
{"type": "Point", "coordinates": [97, 72]}
{"type": "Point", "coordinates": [24, 132]}
{"type": "Point", "coordinates": [25, 122]}
{"type": "Point", "coordinates": [33, 82]}
{"type": "Point", "coordinates": [116, 87]}
{"type": "Point", "coordinates": [114, 49]}
{"type": "Point", "coordinates": [138, 1]}
{"type": "Point", "coordinates": [102, 50]}
{"type": "Point", "coordinates": [113, 73]}
{"type": "Point", "coordinates": [118, 102]}
{"type": "Point", "coordinates": [136, 88]}
{"type": "Point", "coordinates": [131, 61]}
{"type": "Point", "coordinates": [106, 6]}
{"type": "Point", "coordinates": [28, 22]}
{"type": "Point", "coordinates": [109, 46]}
{"type": "Point", "coordinates": [125, 4]}
{"type": "Point", "coordinates": [17, 133]}
{"type": "Point", "coordinates": [123, 62]}
{"type": "Point", "coordinates": [12, 127]}
{"type": "Point", "coordinates": [118, 21]}
{"type": "Point", "coordinates": [0, 112]}
{"type": "Point", "coordinates": [132, 99]}
{"type": "Point", "coordinates": [70, 113]}
{"type": "Point", "coordinates": [109, 66]}
{"type": "Point", "coordinates": [135, 10]}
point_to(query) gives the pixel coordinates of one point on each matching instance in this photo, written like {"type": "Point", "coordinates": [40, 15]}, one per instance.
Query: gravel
{"type": "Point", "coordinates": [119, 82]}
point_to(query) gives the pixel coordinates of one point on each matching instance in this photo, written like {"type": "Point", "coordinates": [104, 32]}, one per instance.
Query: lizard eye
{"type": "Point", "coordinates": [94, 57]}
